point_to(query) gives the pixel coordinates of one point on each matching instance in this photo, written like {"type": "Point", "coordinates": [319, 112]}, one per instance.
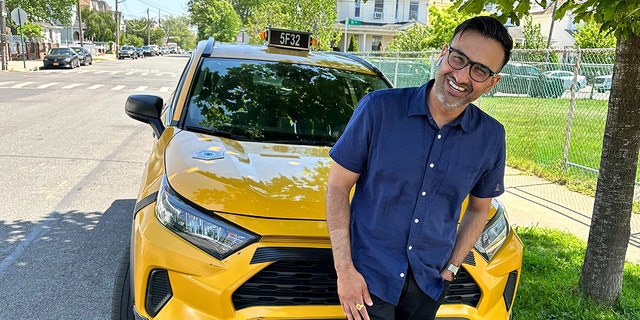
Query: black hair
{"type": "Point", "coordinates": [490, 28]}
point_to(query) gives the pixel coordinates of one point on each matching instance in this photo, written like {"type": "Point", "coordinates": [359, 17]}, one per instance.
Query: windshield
{"type": "Point", "coordinates": [274, 101]}
{"type": "Point", "coordinates": [59, 51]}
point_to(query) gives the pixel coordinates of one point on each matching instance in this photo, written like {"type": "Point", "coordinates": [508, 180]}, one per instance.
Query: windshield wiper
{"type": "Point", "coordinates": [302, 142]}
{"type": "Point", "coordinates": [219, 133]}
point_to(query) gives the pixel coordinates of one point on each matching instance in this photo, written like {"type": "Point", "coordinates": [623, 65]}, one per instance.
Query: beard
{"type": "Point", "coordinates": [448, 101]}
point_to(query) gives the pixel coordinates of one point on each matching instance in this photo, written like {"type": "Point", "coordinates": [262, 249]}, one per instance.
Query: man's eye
{"type": "Point", "coordinates": [480, 71]}
{"type": "Point", "coordinates": [459, 59]}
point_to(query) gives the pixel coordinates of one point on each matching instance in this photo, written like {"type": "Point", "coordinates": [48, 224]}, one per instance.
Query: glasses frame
{"type": "Point", "coordinates": [470, 63]}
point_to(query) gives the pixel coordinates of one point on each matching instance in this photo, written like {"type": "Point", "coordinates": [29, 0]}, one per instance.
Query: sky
{"type": "Point", "coordinates": [138, 8]}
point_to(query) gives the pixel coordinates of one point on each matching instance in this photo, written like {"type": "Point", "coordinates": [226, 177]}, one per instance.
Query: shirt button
{"type": "Point", "coordinates": [410, 247]}
{"type": "Point", "coordinates": [402, 275]}
{"type": "Point", "coordinates": [439, 136]}
{"type": "Point", "coordinates": [431, 165]}
{"type": "Point", "coordinates": [416, 220]}
{"type": "Point", "coordinates": [424, 193]}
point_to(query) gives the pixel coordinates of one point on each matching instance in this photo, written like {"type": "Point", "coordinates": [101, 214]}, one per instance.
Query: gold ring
{"type": "Point", "coordinates": [359, 306]}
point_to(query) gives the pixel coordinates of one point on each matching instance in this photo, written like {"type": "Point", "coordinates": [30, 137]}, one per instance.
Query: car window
{"type": "Point", "coordinates": [275, 101]}
{"type": "Point", "coordinates": [59, 51]}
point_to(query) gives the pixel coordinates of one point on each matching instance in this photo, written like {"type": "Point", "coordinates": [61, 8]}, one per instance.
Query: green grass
{"type": "Point", "coordinates": [548, 288]}
{"type": "Point", "coordinates": [537, 134]}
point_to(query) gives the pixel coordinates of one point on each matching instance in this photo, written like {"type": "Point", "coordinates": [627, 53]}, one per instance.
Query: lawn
{"type": "Point", "coordinates": [548, 288]}
{"type": "Point", "coordinates": [540, 139]}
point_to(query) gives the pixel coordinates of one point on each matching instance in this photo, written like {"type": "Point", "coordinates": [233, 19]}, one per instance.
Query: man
{"type": "Point", "coordinates": [414, 154]}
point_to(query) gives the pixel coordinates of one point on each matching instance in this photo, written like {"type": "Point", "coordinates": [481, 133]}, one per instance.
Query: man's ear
{"type": "Point", "coordinates": [494, 81]}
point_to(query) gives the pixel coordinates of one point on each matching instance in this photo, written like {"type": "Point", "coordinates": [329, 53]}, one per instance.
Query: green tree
{"type": "Point", "coordinates": [533, 38]}
{"type": "Point", "coordinates": [32, 30]}
{"type": "Point", "coordinates": [98, 25]}
{"type": "Point", "coordinates": [215, 18]}
{"type": "Point", "coordinates": [442, 23]}
{"type": "Point", "coordinates": [353, 45]}
{"type": "Point", "coordinates": [44, 10]}
{"type": "Point", "coordinates": [609, 234]}
{"type": "Point", "coordinates": [588, 35]}
{"type": "Point", "coordinates": [410, 39]}
{"type": "Point", "coordinates": [245, 8]}
{"type": "Point", "coordinates": [177, 30]}
{"type": "Point", "coordinates": [315, 16]}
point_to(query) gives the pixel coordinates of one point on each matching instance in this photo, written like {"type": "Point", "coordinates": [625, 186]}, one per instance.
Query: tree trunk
{"type": "Point", "coordinates": [610, 230]}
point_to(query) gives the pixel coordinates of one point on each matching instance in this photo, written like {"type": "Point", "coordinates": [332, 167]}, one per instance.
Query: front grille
{"type": "Point", "coordinates": [294, 280]}
{"type": "Point", "coordinates": [463, 290]}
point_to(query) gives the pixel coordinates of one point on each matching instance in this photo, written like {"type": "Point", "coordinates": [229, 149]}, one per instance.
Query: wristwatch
{"type": "Point", "coordinates": [453, 268]}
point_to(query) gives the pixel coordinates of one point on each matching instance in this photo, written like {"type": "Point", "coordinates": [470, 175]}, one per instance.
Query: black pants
{"type": "Point", "coordinates": [414, 304]}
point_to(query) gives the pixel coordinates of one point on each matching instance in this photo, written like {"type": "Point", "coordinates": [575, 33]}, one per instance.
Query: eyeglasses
{"type": "Point", "coordinates": [478, 71]}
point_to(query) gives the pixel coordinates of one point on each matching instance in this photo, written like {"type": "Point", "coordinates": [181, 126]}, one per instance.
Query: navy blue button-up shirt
{"type": "Point", "coordinates": [413, 179]}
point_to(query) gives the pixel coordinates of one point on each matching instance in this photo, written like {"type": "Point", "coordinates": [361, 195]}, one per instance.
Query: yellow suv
{"type": "Point", "coordinates": [230, 218]}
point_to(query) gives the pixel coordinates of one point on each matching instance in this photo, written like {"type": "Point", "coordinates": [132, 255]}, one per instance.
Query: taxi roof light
{"type": "Point", "coordinates": [288, 39]}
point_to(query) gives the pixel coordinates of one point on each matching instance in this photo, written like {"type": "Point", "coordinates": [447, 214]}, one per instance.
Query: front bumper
{"type": "Point", "coordinates": [287, 276]}
{"type": "Point", "coordinates": [56, 64]}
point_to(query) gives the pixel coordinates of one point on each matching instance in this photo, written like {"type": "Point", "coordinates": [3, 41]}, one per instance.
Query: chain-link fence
{"type": "Point", "coordinates": [553, 104]}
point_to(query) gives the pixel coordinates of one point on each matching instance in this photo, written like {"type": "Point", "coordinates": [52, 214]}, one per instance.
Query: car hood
{"type": "Point", "coordinates": [249, 178]}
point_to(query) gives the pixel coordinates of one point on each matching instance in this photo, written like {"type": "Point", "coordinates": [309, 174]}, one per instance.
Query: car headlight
{"type": "Point", "coordinates": [494, 234]}
{"type": "Point", "coordinates": [211, 234]}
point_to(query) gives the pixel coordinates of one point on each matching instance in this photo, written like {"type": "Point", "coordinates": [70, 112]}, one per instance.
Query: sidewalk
{"type": "Point", "coordinates": [35, 65]}
{"type": "Point", "coordinates": [534, 202]}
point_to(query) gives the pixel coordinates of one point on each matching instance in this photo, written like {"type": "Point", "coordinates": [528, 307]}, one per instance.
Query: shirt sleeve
{"type": "Point", "coordinates": [491, 182]}
{"type": "Point", "coordinates": [352, 148]}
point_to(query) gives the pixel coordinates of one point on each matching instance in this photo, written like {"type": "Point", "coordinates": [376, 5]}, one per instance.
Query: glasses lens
{"type": "Point", "coordinates": [479, 72]}
{"type": "Point", "coordinates": [456, 60]}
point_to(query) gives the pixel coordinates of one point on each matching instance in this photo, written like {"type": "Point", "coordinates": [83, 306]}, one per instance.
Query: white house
{"type": "Point", "coordinates": [374, 23]}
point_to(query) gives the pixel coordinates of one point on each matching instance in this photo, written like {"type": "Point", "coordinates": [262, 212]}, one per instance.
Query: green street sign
{"type": "Point", "coordinates": [352, 22]}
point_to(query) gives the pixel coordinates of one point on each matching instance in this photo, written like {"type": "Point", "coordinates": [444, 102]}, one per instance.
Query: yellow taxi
{"type": "Point", "coordinates": [230, 218]}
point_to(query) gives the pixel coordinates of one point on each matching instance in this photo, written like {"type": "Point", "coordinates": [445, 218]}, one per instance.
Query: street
{"type": "Point", "coordinates": [71, 165]}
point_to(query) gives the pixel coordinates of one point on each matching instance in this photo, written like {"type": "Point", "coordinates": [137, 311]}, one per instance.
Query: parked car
{"type": "Point", "coordinates": [147, 52]}
{"type": "Point", "coordinates": [85, 55]}
{"type": "Point", "coordinates": [526, 79]}
{"type": "Point", "coordinates": [155, 50]}
{"type": "Point", "coordinates": [127, 52]}
{"type": "Point", "coordinates": [567, 79]}
{"type": "Point", "coordinates": [230, 218]}
{"type": "Point", "coordinates": [61, 58]}
{"type": "Point", "coordinates": [602, 83]}
{"type": "Point", "coordinates": [140, 52]}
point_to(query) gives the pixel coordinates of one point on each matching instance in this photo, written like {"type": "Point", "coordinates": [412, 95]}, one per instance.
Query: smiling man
{"type": "Point", "coordinates": [414, 154]}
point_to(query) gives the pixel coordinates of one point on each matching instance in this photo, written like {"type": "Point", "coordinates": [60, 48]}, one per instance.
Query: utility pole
{"type": "Point", "coordinates": [3, 36]}
{"type": "Point", "coordinates": [80, 24]}
{"type": "Point", "coordinates": [148, 28]}
{"type": "Point", "coordinates": [117, 29]}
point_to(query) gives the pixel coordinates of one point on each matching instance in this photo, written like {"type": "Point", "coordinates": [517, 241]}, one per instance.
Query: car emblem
{"type": "Point", "coordinates": [208, 155]}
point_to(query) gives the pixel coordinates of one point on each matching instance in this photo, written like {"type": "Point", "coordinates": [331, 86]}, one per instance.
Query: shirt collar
{"type": "Point", "coordinates": [420, 107]}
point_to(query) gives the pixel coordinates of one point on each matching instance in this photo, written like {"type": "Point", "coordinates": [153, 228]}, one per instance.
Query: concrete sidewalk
{"type": "Point", "coordinates": [35, 65]}
{"type": "Point", "coordinates": [534, 202]}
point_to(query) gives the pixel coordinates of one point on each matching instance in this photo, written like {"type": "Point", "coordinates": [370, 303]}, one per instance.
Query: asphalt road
{"type": "Point", "coordinates": [70, 167]}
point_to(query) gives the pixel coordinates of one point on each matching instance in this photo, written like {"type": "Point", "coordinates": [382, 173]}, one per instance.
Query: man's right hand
{"type": "Point", "coordinates": [354, 294]}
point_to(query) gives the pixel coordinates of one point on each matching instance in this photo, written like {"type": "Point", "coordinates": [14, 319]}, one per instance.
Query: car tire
{"type": "Point", "coordinates": [121, 299]}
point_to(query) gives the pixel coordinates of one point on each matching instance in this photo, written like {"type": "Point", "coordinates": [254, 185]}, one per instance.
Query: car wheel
{"type": "Point", "coordinates": [122, 300]}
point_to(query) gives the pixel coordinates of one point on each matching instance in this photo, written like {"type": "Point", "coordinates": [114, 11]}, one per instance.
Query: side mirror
{"type": "Point", "coordinates": [147, 109]}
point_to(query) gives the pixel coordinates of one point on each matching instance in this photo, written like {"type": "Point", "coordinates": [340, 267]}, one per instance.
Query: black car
{"type": "Point", "coordinates": [147, 52]}
{"type": "Point", "coordinates": [61, 58]}
{"type": "Point", "coordinates": [140, 52]}
{"type": "Point", "coordinates": [85, 55]}
{"type": "Point", "coordinates": [127, 52]}
{"type": "Point", "coordinates": [526, 79]}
